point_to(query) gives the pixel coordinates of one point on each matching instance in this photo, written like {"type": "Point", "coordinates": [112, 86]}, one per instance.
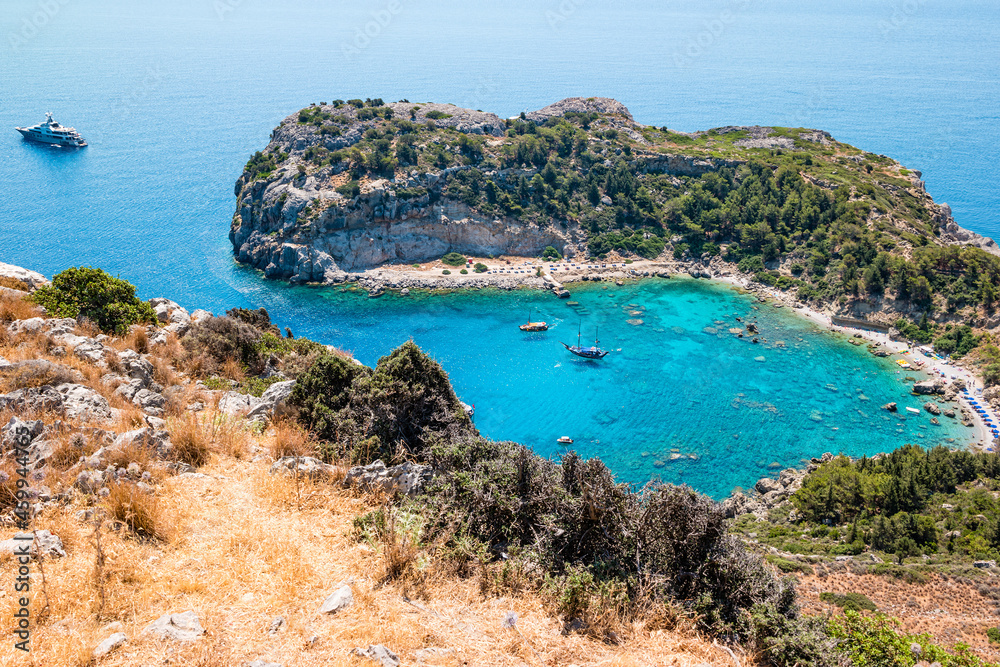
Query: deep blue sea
{"type": "Point", "coordinates": [173, 98]}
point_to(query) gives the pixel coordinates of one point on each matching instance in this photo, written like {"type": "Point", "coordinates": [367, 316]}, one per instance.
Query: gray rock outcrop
{"type": "Point", "coordinates": [32, 279]}
{"type": "Point", "coordinates": [235, 403]}
{"type": "Point", "coordinates": [80, 402]}
{"type": "Point", "coordinates": [304, 466]}
{"type": "Point", "coordinates": [273, 402]}
{"type": "Point", "coordinates": [377, 652]}
{"type": "Point", "coordinates": [340, 599]}
{"type": "Point", "coordinates": [182, 627]}
{"type": "Point", "coordinates": [113, 642]}
{"type": "Point", "coordinates": [406, 478]}
{"type": "Point", "coordinates": [48, 544]}
{"type": "Point", "coordinates": [929, 387]}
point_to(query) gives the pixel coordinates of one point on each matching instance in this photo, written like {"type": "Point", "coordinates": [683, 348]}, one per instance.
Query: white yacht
{"type": "Point", "coordinates": [51, 132]}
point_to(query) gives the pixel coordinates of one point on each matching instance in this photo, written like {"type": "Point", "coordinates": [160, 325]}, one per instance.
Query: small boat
{"type": "Point", "coordinates": [533, 326]}
{"type": "Point", "coordinates": [565, 440]}
{"type": "Point", "coordinates": [913, 411]}
{"type": "Point", "coordinates": [593, 352]}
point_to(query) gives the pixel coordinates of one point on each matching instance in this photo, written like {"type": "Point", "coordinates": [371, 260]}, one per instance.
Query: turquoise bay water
{"type": "Point", "coordinates": [678, 383]}
{"type": "Point", "coordinates": [174, 97]}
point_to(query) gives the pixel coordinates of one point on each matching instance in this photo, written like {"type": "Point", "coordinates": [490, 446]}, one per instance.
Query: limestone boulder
{"type": "Point", "coordinates": [235, 403]}
{"type": "Point", "coordinates": [113, 642]}
{"type": "Point", "coordinates": [182, 627]}
{"type": "Point", "coordinates": [274, 401]}
{"type": "Point", "coordinates": [42, 541]}
{"type": "Point", "coordinates": [80, 402]}
{"type": "Point", "coordinates": [378, 653]}
{"type": "Point", "coordinates": [406, 478]}
{"type": "Point", "coordinates": [305, 466]}
{"type": "Point", "coordinates": [32, 279]}
{"type": "Point", "coordinates": [766, 485]}
{"type": "Point", "coordinates": [929, 387]}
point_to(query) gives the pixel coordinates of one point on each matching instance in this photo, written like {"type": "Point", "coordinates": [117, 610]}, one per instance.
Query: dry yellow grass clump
{"type": "Point", "coordinates": [242, 547]}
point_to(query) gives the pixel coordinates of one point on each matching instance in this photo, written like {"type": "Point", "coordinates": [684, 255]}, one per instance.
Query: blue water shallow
{"type": "Point", "coordinates": [680, 398]}
{"type": "Point", "coordinates": [174, 97]}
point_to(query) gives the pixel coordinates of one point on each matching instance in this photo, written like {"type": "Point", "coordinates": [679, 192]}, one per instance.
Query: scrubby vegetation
{"type": "Point", "coordinates": [615, 563]}
{"type": "Point", "coordinates": [939, 503]}
{"type": "Point", "coordinates": [108, 302]}
{"type": "Point", "coordinates": [604, 553]}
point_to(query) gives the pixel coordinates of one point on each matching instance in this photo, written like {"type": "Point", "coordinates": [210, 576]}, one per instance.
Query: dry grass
{"type": "Point", "coordinates": [163, 372]}
{"type": "Point", "coordinates": [138, 340]}
{"type": "Point", "coordinates": [950, 610]}
{"type": "Point", "coordinates": [137, 512]}
{"type": "Point", "coordinates": [13, 283]}
{"type": "Point", "coordinates": [191, 442]}
{"type": "Point", "coordinates": [243, 554]}
{"type": "Point", "coordinates": [233, 370]}
{"type": "Point", "coordinates": [130, 415]}
{"type": "Point", "coordinates": [21, 378]}
{"type": "Point", "coordinates": [290, 439]}
{"type": "Point", "coordinates": [14, 307]}
{"type": "Point", "coordinates": [68, 449]}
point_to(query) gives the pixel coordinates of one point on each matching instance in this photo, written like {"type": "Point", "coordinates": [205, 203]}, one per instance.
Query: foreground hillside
{"type": "Point", "coordinates": [205, 490]}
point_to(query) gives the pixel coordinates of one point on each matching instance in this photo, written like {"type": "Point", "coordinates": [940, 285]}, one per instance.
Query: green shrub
{"type": "Point", "coordinates": [325, 397]}
{"type": "Point", "coordinates": [788, 566]}
{"type": "Point", "coordinates": [437, 115]}
{"type": "Point", "coordinates": [351, 189]}
{"type": "Point", "coordinates": [849, 601]}
{"type": "Point", "coordinates": [446, 272]}
{"type": "Point", "coordinates": [551, 253]}
{"type": "Point", "coordinates": [479, 267]}
{"type": "Point", "coordinates": [464, 272]}
{"type": "Point", "coordinates": [993, 634]}
{"type": "Point", "coordinates": [258, 319]}
{"type": "Point", "coordinates": [108, 302]}
{"type": "Point", "coordinates": [453, 259]}
{"type": "Point", "coordinates": [215, 340]}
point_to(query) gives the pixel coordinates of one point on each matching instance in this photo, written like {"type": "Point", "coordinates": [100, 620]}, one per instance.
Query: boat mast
{"type": "Point", "coordinates": [597, 340]}
{"type": "Point", "coordinates": [578, 330]}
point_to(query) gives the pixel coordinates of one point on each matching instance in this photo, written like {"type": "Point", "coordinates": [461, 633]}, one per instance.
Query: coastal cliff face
{"type": "Point", "coordinates": [298, 220]}
{"type": "Point", "coordinates": [348, 186]}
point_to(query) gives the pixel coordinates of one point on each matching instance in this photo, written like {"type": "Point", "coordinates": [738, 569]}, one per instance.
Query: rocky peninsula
{"type": "Point", "coordinates": [346, 187]}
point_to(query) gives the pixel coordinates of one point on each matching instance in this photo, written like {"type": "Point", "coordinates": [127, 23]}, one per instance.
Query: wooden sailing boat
{"type": "Point", "coordinates": [592, 352]}
{"type": "Point", "coordinates": [533, 326]}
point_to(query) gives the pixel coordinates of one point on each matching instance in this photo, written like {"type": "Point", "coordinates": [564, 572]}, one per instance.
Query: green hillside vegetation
{"type": "Point", "coordinates": [938, 503]}
{"type": "Point", "coordinates": [822, 219]}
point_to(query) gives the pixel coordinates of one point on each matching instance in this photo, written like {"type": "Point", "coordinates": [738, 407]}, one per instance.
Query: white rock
{"type": "Point", "coordinates": [24, 543]}
{"type": "Point", "coordinates": [183, 627]}
{"type": "Point", "coordinates": [342, 598]}
{"type": "Point", "coordinates": [235, 403]}
{"type": "Point", "coordinates": [378, 652]}
{"type": "Point", "coordinates": [110, 644]}
{"type": "Point", "coordinates": [32, 279]}
{"type": "Point", "coordinates": [273, 403]}
{"type": "Point", "coordinates": [82, 402]}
